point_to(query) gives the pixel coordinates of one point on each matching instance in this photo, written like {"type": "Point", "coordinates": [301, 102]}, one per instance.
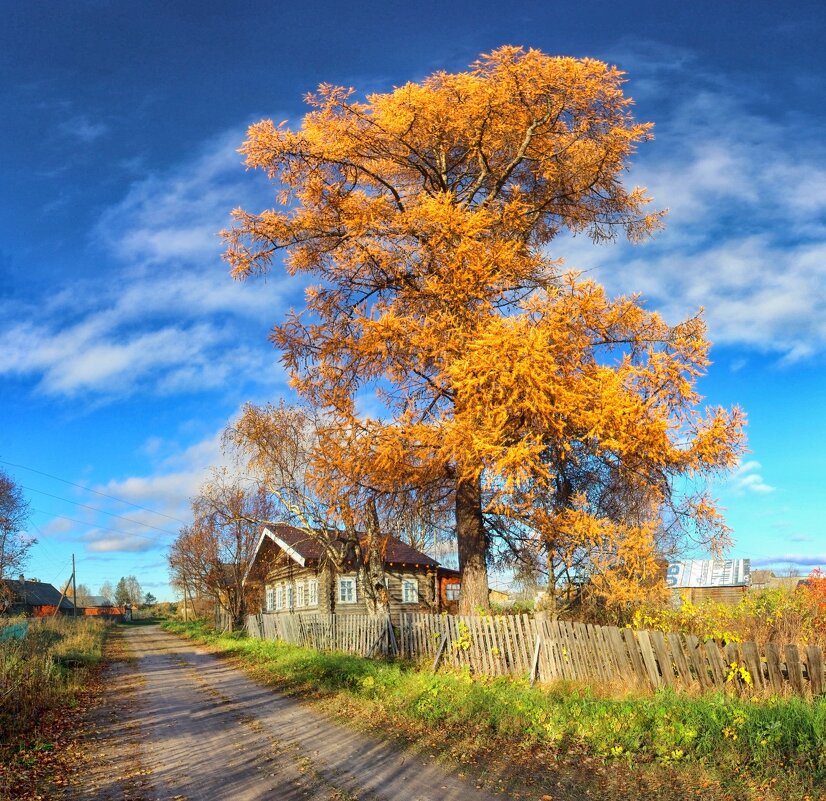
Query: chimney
{"type": "Point", "coordinates": [22, 579]}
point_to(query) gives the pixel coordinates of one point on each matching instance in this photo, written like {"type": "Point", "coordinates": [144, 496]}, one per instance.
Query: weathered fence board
{"type": "Point", "coordinates": [506, 645]}
{"type": "Point", "coordinates": [815, 669]}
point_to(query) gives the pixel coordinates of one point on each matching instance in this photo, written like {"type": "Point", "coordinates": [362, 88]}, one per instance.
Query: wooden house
{"type": "Point", "coordinates": [450, 586]}
{"type": "Point", "coordinates": [31, 598]}
{"type": "Point", "coordinates": [294, 574]}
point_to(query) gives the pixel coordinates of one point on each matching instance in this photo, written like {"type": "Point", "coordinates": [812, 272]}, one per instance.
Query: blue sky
{"type": "Point", "coordinates": [125, 347]}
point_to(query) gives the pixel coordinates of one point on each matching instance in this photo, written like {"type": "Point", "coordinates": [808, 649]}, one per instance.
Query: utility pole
{"type": "Point", "coordinates": [74, 588]}
{"type": "Point", "coordinates": [62, 596]}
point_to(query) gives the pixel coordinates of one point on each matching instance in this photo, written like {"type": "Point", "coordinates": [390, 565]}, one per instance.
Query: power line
{"type": "Point", "coordinates": [102, 511]}
{"type": "Point", "coordinates": [99, 528]}
{"type": "Point", "coordinates": [89, 489]}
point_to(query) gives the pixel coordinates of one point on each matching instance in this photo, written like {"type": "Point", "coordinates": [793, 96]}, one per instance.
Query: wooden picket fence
{"type": "Point", "coordinates": [551, 650]}
{"type": "Point", "coordinates": [362, 635]}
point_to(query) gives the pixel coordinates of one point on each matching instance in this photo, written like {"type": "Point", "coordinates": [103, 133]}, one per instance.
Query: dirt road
{"type": "Point", "coordinates": [190, 727]}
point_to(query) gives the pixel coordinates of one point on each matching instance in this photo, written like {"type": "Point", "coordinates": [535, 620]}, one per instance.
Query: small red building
{"type": "Point", "coordinates": [31, 598]}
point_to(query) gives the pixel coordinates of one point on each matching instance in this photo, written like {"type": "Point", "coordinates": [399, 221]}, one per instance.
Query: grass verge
{"type": "Point", "coordinates": [43, 677]}
{"type": "Point", "coordinates": [665, 746]}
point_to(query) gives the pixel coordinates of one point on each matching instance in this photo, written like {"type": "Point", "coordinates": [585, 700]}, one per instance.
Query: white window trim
{"type": "Point", "coordinates": [312, 593]}
{"type": "Point", "coordinates": [410, 583]}
{"type": "Point", "coordinates": [351, 580]}
{"type": "Point", "coordinates": [269, 598]}
{"type": "Point", "coordinates": [300, 594]}
{"type": "Point", "coordinates": [279, 597]}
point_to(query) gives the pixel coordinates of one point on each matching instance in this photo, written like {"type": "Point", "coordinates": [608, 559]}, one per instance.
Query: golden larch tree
{"type": "Point", "coordinates": [425, 214]}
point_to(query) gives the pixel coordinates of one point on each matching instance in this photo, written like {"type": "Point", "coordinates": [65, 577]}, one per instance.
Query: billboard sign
{"type": "Point", "coordinates": [709, 573]}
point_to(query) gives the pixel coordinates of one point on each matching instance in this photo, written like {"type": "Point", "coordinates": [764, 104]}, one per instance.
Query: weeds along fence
{"type": "Point", "coordinates": [551, 650]}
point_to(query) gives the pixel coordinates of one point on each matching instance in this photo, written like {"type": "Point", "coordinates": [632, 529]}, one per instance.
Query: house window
{"type": "Point", "coordinates": [312, 591]}
{"type": "Point", "coordinates": [279, 597]}
{"type": "Point", "coordinates": [347, 590]}
{"type": "Point", "coordinates": [452, 591]}
{"type": "Point", "coordinates": [289, 595]}
{"type": "Point", "coordinates": [269, 603]}
{"type": "Point", "coordinates": [300, 595]}
{"type": "Point", "coordinates": [410, 591]}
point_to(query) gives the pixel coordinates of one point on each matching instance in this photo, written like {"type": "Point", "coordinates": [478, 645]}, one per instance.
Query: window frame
{"type": "Point", "coordinates": [349, 581]}
{"type": "Point", "coordinates": [453, 590]}
{"type": "Point", "coordinates": [312, 592]}
{"type": "Point", "coordinates": [408, 583]}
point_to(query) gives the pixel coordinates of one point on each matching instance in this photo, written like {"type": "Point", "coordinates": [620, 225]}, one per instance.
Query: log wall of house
{"type": "Point", "coordinates": [286, 570]}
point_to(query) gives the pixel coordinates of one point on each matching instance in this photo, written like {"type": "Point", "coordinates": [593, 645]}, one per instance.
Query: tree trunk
{"type": "Point", "coordinates": [238, 612]}
{"type": "Point", "coordinates": [472, 544]}
{"type": "Point", "coordinates": [550, 596]}
{"type": "Point", "coordinates": [378, 597]}
{"type": "Point", "coordinates": [326, 587]}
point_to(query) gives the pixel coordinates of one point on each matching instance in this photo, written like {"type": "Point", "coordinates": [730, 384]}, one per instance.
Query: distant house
{"type": "Point", "coordinates": [100, 606]}
{"type": "Point", "coordinates": [31, 598]}
{"type": "Point", "coordinates": [294, 574]}
{"type": "Point", "coordinates": [96, 602]}
{"type": "Point", "coordinates": [722, 580]}
{"type": "Point", "coordinates": [767, 580]}
{"type": "Point", "coordinates": [501, 597]}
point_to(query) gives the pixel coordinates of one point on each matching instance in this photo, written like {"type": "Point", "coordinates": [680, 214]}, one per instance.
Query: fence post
{"type": "Point", "coordinates": [439, 653]}
{"type": "Point", "coordinates": [392, 636]}
{"type": "Point", "coordinates": [535, 664]}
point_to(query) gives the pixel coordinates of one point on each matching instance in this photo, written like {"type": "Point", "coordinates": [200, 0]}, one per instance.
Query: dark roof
{"type": "Point", "coordinates": [449, 572]}
{"type": "Point", "coordinates": [36, 593]}
{"type": "Point", "coordinates": [308, 547]}
{"type": "Point", "coordinates": [96, 600]}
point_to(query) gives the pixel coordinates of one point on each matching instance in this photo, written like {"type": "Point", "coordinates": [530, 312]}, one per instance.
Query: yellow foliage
{"type": "Point", "coordinates": [425, 213]}
{"type": "Point", "coordinates": [777, 615]}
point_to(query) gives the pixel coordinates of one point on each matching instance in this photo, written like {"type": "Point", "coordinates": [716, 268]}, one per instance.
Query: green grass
{"type": "Point", "coordinates": [729, 736]}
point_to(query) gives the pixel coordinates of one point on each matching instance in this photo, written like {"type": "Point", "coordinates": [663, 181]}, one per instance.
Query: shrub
{"type": "Point", "coordinates": [771, 615]}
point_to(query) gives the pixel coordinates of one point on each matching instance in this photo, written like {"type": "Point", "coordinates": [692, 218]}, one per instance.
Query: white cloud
{"type": "Point", "coordinates": [780, 560]}
{"type": "Point", "coordinates": [83, 129]}
{"type": "Point", "coordinates": [104, 355]}
{"type": "Point", "coordinates": [141, 513]}
{"type": "Point", "coordinates": [176, 479]}
{"type": "Point", "coordinates": [103, 542]}
{"type": "Point", "coordinates": [176, 216]}
{"type": "Point", "coordinates": [747, 478]}
{"type": "Point", "coordinates": [169, 319]}
{"type": "Point", "coordinates": [745, 235]}
{"type": "Point", "coordinates": [58, 525]}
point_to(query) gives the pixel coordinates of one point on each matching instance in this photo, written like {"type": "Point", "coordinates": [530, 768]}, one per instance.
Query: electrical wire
{"type": "Point", "coordinates": [96, 492]}
{"type": "Point", "coordinates": [99, 528]}
{"type": "Point", "coordinates": [102, 511]}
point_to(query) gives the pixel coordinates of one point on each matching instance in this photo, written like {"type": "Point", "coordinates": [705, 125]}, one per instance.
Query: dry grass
{"type": "Point", "coordinates": [45, 668]}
